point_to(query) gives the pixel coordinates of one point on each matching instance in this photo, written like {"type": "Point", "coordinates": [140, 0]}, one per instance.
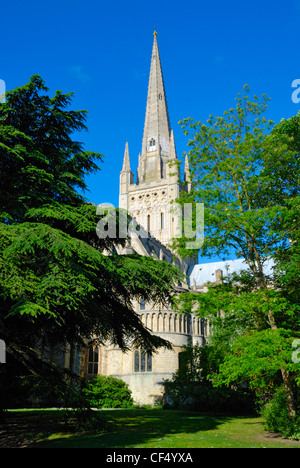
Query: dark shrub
{"type": "Point", "coordinates": [197, 396]}
{"type": "Point", "coordinates": [277, 419]}
{"type": "Point", "coordinates": [107, 392]}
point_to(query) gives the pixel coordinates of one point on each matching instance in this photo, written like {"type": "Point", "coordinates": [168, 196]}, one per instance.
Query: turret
{"type": "Point", "coordinates": [187, 175]}
{"type": "Point", "coordinates": [126, 179]}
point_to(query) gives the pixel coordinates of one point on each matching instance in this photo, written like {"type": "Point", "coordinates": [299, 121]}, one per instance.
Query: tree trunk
{"type": "Point", "coordinates": [290, 401]}
{"type": "Point", "coordinates": [288, 393]}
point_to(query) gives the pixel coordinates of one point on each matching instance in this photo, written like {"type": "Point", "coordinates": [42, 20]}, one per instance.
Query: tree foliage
{"type": "Point", "coordinates": [59, 282]}
{"type": "Point", "coordinates": [245, 170]}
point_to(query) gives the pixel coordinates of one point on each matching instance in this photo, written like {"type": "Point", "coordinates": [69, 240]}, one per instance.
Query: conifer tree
{"type": "Point", "coordinates": [56, 283]}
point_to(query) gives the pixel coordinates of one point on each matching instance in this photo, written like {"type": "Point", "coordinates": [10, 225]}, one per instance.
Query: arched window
{"type": "Point", "coordinates": [92, 360]}
{"type": "Point", "coordinates": [142, 361]}
{"type": "Point", "coordinates": [142, 304]}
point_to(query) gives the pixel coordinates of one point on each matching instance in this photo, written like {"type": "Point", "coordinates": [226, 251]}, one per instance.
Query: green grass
{"type": "Point", "coordinates": [155, 428]}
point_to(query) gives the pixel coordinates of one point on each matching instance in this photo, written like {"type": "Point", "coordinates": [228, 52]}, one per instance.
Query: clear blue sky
{"type": "Point", "coordinates": [101, 50]}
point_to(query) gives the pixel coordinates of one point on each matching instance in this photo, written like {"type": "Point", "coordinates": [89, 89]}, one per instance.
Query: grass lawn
{"type": "Point", "coordinates": [139, 428]}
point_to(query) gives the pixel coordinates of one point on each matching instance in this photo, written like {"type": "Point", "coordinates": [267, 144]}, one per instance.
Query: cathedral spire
{"type": "Point", "coordinates": [150, 200]}
{"type": "Point", "coordinates": [157, 130]}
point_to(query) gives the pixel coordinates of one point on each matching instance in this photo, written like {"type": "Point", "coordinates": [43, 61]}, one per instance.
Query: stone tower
{"type": "Point", "coordinates": [149, 200]}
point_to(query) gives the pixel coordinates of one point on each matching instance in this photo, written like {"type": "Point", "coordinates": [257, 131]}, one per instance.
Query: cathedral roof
{"type": "Point", "coordinates": [206, 272]}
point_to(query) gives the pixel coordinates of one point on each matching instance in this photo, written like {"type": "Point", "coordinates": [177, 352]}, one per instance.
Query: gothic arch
{"type": "Point", "coordinates": [160, 322]}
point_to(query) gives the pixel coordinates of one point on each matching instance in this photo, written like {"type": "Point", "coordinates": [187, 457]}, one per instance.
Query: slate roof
{"type": "Point", "coordinates": [206, 272]}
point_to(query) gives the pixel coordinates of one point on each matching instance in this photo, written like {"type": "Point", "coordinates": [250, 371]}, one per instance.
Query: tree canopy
{"type": "Point", "coordinates": [245, 170]}
{"type": "Point", "coordinates": [59, 281]}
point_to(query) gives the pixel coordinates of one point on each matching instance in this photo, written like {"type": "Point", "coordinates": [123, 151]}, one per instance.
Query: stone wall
{"type": "Point", "coordinates": [148, 387]}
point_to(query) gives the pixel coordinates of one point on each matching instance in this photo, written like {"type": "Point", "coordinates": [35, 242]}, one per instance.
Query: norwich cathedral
{"type": "Point", "coordinates": [149, 198]}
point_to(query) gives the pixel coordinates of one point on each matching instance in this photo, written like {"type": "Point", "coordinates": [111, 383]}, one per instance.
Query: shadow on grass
{"type": "Point", "coordinates": [140, 428]}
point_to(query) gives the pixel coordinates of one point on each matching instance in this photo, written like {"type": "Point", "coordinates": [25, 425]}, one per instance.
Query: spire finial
{"type": "Point", "coordinates": [155, 32]}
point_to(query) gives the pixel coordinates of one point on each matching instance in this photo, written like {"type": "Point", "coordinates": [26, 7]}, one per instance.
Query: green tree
{"type": "Point", "coordinates": [282, 171]}
{"type": "Point", "coordinates": [247, 176]}
{"type": "Point", "coordinates": [56, 283]}
{"type": "Point", "coordinates": [40, 161]}
{"type": "Point", "coordinates": [258, 357]}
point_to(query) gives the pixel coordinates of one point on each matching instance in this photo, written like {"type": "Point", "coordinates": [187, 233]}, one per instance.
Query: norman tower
{"type": "Point", "coordinates": [149, 200]}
